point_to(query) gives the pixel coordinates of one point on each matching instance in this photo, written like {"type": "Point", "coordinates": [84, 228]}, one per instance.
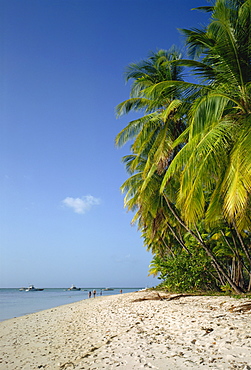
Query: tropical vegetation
{"type": "Point", "coordinates": [189, 169]}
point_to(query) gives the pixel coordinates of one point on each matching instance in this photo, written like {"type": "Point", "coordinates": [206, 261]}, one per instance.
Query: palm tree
{"type": "Point", "coordinates": [153, 136]}
{"type": "Point", "coordinates": [217, 158]}
{"type": "Point", "coordinates": [194, 138]}
{"type": "Point", "coordinates": [161, 227]}
{"type": "Point", "coordinates": [161, 123]}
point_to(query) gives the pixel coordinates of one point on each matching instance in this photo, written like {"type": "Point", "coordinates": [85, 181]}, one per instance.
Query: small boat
{"type": "Point", "coordinates": [21, 289]}
{"type": "Point", "coordinates": [108, 289]}
{"type": "Point", "coordinates": [31, 288]}
{"type": "Point", "coordinates": [74, 288]}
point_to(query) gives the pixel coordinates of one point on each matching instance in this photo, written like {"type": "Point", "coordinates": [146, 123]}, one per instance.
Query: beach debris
{"type": "Point", "coordinates": [241, 308]}
{"type": "Point", "coordinates": [178, 296]}
{"type": "Point", "coordinates": [66, 365]}
{"type": "Point", "coordinates": [207, 330]}
{"type": "Point", "coordinates": [155, 296]}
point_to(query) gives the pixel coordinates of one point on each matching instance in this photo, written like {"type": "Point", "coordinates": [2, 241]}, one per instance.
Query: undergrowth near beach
{"type": "Point", "coordinates": [162, 288]}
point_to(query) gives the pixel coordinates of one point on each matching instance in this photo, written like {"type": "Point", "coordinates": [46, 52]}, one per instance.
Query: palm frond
{"type": "Point", "coordinates": [135, 104]}
{"type": "Point", "coordinates": [132, 129]}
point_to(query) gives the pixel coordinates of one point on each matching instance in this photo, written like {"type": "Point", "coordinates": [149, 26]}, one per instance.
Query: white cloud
{"type": "Point", "coordinates": [124, 259]}
{"type": "Point", "coordinates": [81, 205]}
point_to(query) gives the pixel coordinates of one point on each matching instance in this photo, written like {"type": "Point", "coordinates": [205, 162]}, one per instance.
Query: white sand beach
{"type": "Point", "coordinates": [132, 331]}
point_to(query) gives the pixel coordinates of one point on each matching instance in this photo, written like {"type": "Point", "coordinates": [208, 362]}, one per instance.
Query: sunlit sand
{"type": "Point", "coordinates": [132, 331]}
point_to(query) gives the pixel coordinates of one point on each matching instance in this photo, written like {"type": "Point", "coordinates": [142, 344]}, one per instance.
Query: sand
{"type": "Point", "coordinates": [132, 331]}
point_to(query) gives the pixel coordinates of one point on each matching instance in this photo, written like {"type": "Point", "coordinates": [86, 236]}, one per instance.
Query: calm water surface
{"type": "Point", "coordinates": [14, 303]}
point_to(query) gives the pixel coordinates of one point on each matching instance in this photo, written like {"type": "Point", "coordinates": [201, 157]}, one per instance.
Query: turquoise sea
{"type": "Point", "coordinates": [14, 303]}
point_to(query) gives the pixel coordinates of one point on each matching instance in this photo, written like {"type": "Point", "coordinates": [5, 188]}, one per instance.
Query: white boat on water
{"type": "Point", "coordinates": [73, 287]}
{"type": "Point", "coordinates": [31, 288]}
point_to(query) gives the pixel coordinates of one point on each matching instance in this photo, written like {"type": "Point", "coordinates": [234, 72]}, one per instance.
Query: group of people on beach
{"type": "Point", "coordinates": [94, 292]}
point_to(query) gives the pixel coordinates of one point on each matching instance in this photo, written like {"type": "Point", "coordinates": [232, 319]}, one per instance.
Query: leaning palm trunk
{"type": "Point", "coordinates": [199, 239]}
{"type": "Point", "coordinates": [178, 239]}
{"type": "Point", "coordinates": [243, 246]}
{"type": "Point", "coordinates": [241, 263]}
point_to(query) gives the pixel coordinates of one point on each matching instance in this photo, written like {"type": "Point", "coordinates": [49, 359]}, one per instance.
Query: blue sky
{"type": "Point", "coordinates": [62, 219]}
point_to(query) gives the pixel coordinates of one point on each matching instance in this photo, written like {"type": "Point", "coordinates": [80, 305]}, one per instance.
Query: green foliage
{"type": "Point", "coordinates": [226, 288]}
{"type": "Point", "coordinates": [184, 272]}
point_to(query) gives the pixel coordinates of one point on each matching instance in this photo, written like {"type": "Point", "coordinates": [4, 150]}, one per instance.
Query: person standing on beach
{"type": "Point", "coordinates": [90, 294]}
{"type": "Point", "coordinates": [94, 293]}
{"type": "Point", "coordinates": [120, 291]}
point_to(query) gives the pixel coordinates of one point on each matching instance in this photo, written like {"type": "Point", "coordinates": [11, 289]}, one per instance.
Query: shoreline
{"type": "Point", "coordinates": [14, 303]}
{"type": "Point", "coordinates": [132, 331]}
